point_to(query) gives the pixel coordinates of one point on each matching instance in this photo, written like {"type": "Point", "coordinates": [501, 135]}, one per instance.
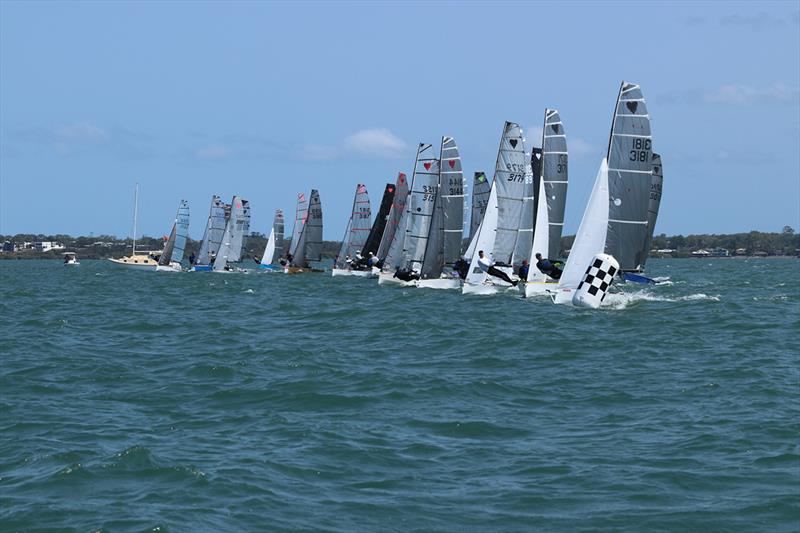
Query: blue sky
{"type": "Point", "coordinates": [265, 99]}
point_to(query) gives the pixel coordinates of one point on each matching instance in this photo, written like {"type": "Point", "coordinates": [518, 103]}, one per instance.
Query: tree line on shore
{"type": "Point", "coordinates": [786, 243]}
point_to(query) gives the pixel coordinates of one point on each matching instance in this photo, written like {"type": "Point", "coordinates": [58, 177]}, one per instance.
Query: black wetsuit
{"type": "Point", "coordinates": [548, 268]}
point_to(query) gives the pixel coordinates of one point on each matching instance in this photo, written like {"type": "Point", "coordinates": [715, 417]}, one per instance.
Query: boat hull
{"type": "Point", "coordinates": [140, 264]}
{"type": "Point", "coordinates": [539, 288]}
{"type": "Point", "coordinates": [480, 288]}
{"type": "Point", "coordinates": [385, 278]}
{"type": "Point", "coordinates": [354, 273]}
{"type": "Point", "coordinates": [441, 283]}
{"type": "Point", "coordinates": [172, 267]}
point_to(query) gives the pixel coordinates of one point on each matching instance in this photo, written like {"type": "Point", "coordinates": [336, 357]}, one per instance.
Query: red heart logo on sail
{"type": "Point", "coordinates": [427, 166]}
{"type": "Point", "coordinates": [452, 163]}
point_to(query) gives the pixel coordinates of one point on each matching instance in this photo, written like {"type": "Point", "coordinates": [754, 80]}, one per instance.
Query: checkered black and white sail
{"type": "Point", "coordinates": [596, 281]}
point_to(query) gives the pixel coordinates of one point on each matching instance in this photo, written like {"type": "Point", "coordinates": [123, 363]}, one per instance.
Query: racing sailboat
{"type": "Point", "coordinates": [307, 246]}
{"type": "Point", "coordinates": [212, 236]}
{"type": "Point", "coordinates": [447, 225]}
{"type": "Point", "coordinates": [274, 248]}
{"type": "Point", "coordinates": [550, 168]}
{"type": "Point", "coordinates": [355, 237]}
{"type": "Point", "coordinates": [497, 235]}
{"type": "Point", "coordinates": [230, 251]}
{"type": "Point", "coordinates": [615, 224]}
{"type": "Point", "coordinates": [172, 255]}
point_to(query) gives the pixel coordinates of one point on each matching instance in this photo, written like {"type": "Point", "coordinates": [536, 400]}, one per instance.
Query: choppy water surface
{"type": "Point", "coordinates": [132, 401]}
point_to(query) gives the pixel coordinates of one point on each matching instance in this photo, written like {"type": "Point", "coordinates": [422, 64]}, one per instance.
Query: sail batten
{"type": "Point", "coordinates": [215, 227]}
{"type": "Point", "coordinates": [419, 207]}
{"type": "Point", "coordinates": [392, 241]}
{"type": "Point", "coordinates": [509, 182]}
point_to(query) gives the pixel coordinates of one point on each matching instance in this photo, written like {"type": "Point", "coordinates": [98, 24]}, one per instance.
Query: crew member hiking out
{"type": "Point", "coordinates": [547, 268]}
{"type": "Point", "coordinates": [487, 265]}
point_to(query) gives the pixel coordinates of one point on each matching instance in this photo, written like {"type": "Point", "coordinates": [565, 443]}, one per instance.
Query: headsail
{"type": "Point", "coordinates": [480, 196]}
{"type": "Point", "coordinates": [484, 239]}
{"type": "Point", "coordinates": [379, 225]}
{"type": "Point", "coordinates": [215, 227]}
{"type": "Point", "coordinates": [358, 226]}
{"type": "Point", "coordinates": [630, 168]}
{"type": "Point", "coordinates": [391, 246]}
{"type": "Point", "coordinates": [419, 208]}
{"type": "Point", "coordinates": [447, 226]}
{"type": "Point", "coordinates": [173, 249]}
{"type": "Point", "coordinates": [654, 203]}
{"type": "Point", "coordinates": [589, 240]}
{"type": "Point", "coordinates": [509, 180]}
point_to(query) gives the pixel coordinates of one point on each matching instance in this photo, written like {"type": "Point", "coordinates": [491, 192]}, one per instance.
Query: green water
{"type": "Point", "coordinates": [131, 401]}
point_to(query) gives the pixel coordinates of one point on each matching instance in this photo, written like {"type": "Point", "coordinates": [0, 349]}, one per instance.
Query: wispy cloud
{"type": "Point", "coordinates": [375, 142]}
{"type": "Point", "coordinates": [747, 95]}
{"type": "Point", "coordinates": [81, 132]}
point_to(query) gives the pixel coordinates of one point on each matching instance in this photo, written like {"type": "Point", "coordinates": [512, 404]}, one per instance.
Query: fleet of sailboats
{"type": "Point", "coordinates": [513, 235]}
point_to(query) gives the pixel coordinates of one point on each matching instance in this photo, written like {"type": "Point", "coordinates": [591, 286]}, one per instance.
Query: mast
{"type": "Point", "coordinates": [135, 215]}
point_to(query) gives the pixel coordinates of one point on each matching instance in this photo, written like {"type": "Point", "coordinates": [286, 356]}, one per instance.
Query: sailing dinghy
{"type": "Point", "coordinates": [349, 259]}
{"type": "Point", "coordinates": [447, 224]}
{"type": "Point", "coordinates": [498, 231]}
{"type": "Point", "coordinates": [391, 242]}
{"type": "Point", "coordinates": [402, 266]}
{"type": "Point", "coordinates": [212, 236]}
{"type": "Point", "coordinates": [171, 257]}
{"type": "Point", "coordinates": [230, 251]}
{"type": "Point", "coordinates": [307, 246]}
{"type": "Point", "coordinates": [614, 227]}
{"type": "Point", "coordinates": [270, 259]}
{"type": "Point", "coordinates": [549, 166]}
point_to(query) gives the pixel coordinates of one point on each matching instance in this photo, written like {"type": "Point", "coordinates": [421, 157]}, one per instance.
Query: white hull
{"type": "Point", "coordinates": [386, 278]}
{"type": "Point", "coordinates": [539, 288]}
{"type": "Point", "coordinates": [354, 273]}
{"type": "Point", "coordinates": [441, 283]}
{"type": "Point", "coordinates": [72, 263]}
{"type": "Point", "coordinates": [172, 267]}
{"type": "Point", "coordinates": [481, 288]}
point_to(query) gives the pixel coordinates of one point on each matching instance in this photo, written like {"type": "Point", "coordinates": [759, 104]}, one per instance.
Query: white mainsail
{"type": "Point", "coordinates": [230, 251]}
{"type": "Point", "coordinates": [419, 207]}
{"type": "Point", "coordinates": [301, 213]}
{"type": "Point", "coordinates": [509, 183]}
{"type": "Point", "coordinates": [215, 227]}
{"type": "Point", "coordinates": [389, 248]}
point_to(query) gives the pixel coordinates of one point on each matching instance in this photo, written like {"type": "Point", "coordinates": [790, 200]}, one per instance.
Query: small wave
{"type": "Point", "coordinates": [249, 291]}
{"type": "Point", "coordinates": [622, 300]}
{"type": "Point", "coordinates": [661, 279]}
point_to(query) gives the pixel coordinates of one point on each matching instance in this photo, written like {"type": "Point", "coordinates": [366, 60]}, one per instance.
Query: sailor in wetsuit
{"type": "Point", "coordinates": [487, 265]}
{"type": "Point", "coordinates": [523, 270]}
{"type": "Point", "coordinates": [547, 268]}
{"type": "Point", "coordinates": [461, 268]}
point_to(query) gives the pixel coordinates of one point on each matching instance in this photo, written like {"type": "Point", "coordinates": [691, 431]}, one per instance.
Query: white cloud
{"type": "Point", "coordinates": [214, 151]}
{"type": "Point", "coordinates": [746, 94]}
{"type": "Point", "coordinates": [80, 132]}
{"type": "Point", "coordinates": [375, 142]}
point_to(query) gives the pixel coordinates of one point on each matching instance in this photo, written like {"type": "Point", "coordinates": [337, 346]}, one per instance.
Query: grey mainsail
{"type": "Point", "coordinates": [630, 170]}
{"type": "Point", "coordinates": [215, 227]}
{"type": "Point", "coordinates": [392, 242]}
{"type": "Point", "coordinates": [173, 249]}
{"type": "Point", "coordinates": [240, 216]}
{"type": "Point", "coordinates": [379, 225]}
{"type": "Point", "coordinates": [481, 187]}
{"type": "Point", "coordinates": [509, 180]}
{"type": "Point", "coordinates": [656, 185]}
{"type": "Point", "coordinates": [230, 251]}
{"type": "Point", "coordinates": [554, 173]}
{"type": "Point", "coordinates": [447, 226]}
{"type": "Point", "coordinates": [278, 227]}
{"type": "Point", "coordinates": [310, 242]}
{"type": "Point", "coordinates": [522, 248]}
{"type": "Point", "coordinates": [358, 226]}
{"type": "Point", "coordinates": [300, 215]}
{"type": "Point", "coordinates": [419, 208]}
